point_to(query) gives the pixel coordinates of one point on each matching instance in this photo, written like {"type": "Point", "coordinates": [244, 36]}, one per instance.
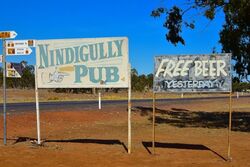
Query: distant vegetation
{"type": "Point", "coordinates": [27, 80]}
{"type": "Point", "coordinates": [139, 83]}
{"type": "Point", "coordinates": [240, 86]}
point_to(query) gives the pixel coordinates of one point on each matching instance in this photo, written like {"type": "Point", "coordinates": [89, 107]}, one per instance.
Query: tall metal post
{"type": "Point", "coordinates": [99, 100]}
{"type": "Point", "coordinates": [153, 124]}
{"type": "Point", "coordinates": [229, 128]}
{"type": "Point", "coordinates": [129, 109]}
{"type": "Point", "coordinates": [4, 96]}
{"type": "Point", "coordinates": [37, 109]}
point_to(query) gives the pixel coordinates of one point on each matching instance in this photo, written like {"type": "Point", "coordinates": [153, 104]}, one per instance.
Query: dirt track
{"type": "Point", "coordinates": [188, 134]}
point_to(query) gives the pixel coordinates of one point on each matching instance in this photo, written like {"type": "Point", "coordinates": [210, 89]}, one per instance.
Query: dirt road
{"type": "Point", "coordinates": [189, 133]}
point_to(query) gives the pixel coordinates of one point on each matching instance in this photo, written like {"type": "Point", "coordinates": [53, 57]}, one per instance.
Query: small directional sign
{"type": "Point", "coordinates": [8, 34]}
{"type": "Point", "coordinates": [18, 51]}
{"type": "Point", "coordinates": [20, 43]}
{"type": "Point", "coordinates": [14, 70]}
{"type": "Point", "coordinates": [1, 58]}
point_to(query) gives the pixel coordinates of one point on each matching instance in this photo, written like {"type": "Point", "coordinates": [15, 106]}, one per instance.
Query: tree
{"type": "Point", "coordinates": [234, 36]}
{"type": "Point", "coordinates": [141, 82]}
{"type": "Point", "coordinates": [26, 81]}
{"type": "Point", "coordinates": [134, 72]}
{"type": "Point", "coordinates": [28, 78]}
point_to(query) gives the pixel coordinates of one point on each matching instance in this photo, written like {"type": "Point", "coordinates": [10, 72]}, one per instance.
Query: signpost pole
{"type": "Point", "coordinates": [4, 96]}
{"type": "Point", "coordinates": [129, 109]}
{"type": "Point", "coordinates": [100, 103]}
{"type": "Point", "coordinates": [229, 128]}
{"type": "Point", "coordinates": [37, 109]}
{"type": "Point", "coordinates": [153, 115]}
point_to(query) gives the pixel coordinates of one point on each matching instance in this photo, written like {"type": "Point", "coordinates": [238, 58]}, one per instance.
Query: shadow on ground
{"type": "Point", "coordinates": [83, 141]}
{"type": "Point", "coordinates": [179, 146]}
{"type": "Point", "coordinates": [185, 118]}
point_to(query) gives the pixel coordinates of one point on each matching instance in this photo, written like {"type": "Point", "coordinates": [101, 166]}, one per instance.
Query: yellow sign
{"type": "Point", "coordinates": [8, 34]}
{"type": "Point", "coordinates": [12, 72]}
{"type": "Point", "coordinates": [4, 34]}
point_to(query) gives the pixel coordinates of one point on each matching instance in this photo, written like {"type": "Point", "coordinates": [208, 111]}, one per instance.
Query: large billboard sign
{"type": "Point", "coordinates": [82, 63]}
{"type": "Point", "coordinates": [193, 73]}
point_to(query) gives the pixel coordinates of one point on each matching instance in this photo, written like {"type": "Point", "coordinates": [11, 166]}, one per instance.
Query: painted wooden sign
{"type": "Point", "coordinates": [193, 73]}
{"type": "Point", "coordinates": [82, 63]}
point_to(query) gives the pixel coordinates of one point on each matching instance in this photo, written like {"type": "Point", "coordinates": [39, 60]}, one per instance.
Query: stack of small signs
{"type": "Point", "coordinates": [17, 47]}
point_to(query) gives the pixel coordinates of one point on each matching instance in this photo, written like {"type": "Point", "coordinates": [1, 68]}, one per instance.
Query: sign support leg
{"type": "Point", "coordinates": [4, 96]}
{"type": "Point", "coordinates": [153, 131]}
{"type": "Point", "coordinates": [129, 110]}
{"type": "Point", "coordinates": [100, 101]}
{"type": "Point", "coordinates": [229, 128]}
{"type": "Point", "coordinates": [37, 109]}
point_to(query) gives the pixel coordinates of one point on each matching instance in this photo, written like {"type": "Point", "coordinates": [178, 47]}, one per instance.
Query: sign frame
{"type": "Point", "coordinates": [229, 92]}
{"type": "Point", "coordinates": [128, 87]}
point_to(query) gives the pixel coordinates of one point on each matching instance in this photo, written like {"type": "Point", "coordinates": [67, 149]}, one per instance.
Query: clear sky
{"type": "Point", "coordinates": [58, 19]}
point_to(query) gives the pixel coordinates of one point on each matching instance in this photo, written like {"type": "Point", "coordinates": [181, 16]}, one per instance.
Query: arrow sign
{"type": "Point", "coordinates": [14, 70]}
{"type": "Point", "coordinates": [8, 34]}
{"type": "Point", "coordinates": [20, 43]}
{"type": "Point", "coordinates": [18, 51]}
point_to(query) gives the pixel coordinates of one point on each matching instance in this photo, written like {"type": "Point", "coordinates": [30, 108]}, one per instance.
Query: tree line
{"type": "Point", "coordinates": [27, 81]}
{"type": "Point", "coordinates": [139, 83]}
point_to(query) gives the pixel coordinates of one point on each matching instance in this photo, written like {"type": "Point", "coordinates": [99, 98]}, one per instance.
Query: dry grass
{"type": "Point", "coordinates": [28, 95]}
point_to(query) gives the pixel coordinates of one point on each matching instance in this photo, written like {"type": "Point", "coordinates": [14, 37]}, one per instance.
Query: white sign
{"type": "Point", "coordinates": [18, 51]}
{"type": "Point", "coordinates": [82, 63]}
{"type": "Point", "coordinates": [1, 58]}
{"type": "Point", "coordinates": [20, 43]}
{"type": "Point", "coordinates": [8, 34]}
{"type": "Point", "coordinates": [193, 73]}
{"type": "Point", "coordinates": [12, 72]}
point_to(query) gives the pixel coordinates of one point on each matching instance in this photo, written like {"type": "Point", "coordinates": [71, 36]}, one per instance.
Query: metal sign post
{"type": "Point", "coordinates": [100, 102]}
{"type": "Point", "coordinates": [129, 109]}
{"type": "Point", "coordinates": [3, 36]}
{"type": "Point", "coordinates": [37, 109]}
{"type": "Point", "coordinates": [229, 128]}
{"type": "Point", "coordinates": [153, 132]}
{"type": "Point", "coordinates": [4, 96]}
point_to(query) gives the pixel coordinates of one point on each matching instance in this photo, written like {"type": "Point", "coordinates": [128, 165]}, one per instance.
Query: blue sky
{"type": "Point", "coordinates": [54, 19]}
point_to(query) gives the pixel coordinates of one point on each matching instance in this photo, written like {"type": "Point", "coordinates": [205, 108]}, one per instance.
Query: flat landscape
{"type": "Point", "coordinates": [188, 133]}
{"type": "Point", "coordinates": [48, 95]}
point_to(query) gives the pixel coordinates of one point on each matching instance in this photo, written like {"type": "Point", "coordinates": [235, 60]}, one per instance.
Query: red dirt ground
{"type": "Point", "coordinates": [99, 138]}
